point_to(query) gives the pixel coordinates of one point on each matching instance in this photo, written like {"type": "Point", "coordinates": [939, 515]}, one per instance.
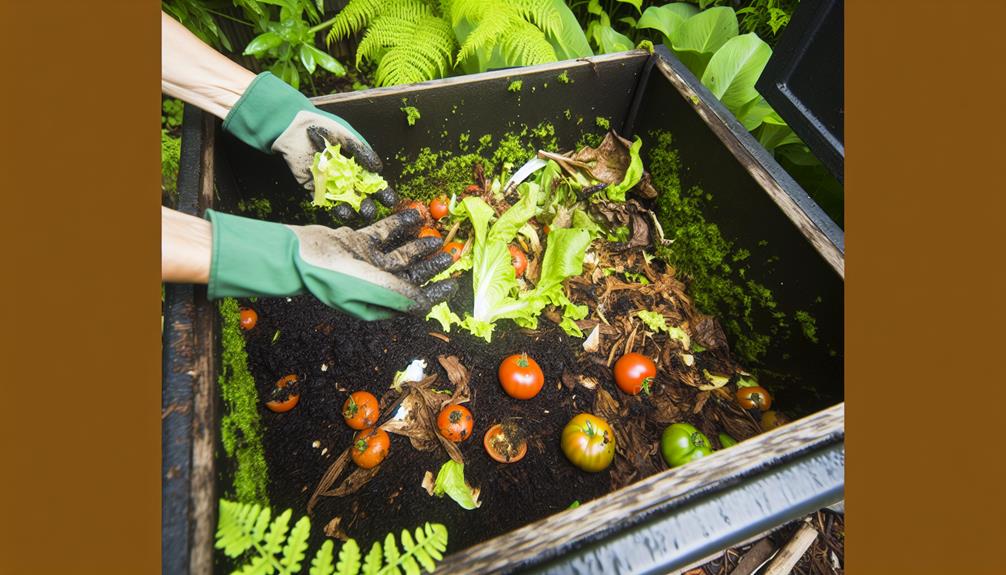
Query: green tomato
{"type": "Point", "coordinates": [682, 443]}
{"type": "Point", "coordinates": [727, 441]}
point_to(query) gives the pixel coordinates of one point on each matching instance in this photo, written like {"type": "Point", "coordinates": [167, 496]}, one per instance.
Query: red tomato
{"type": "Point", "coordinates": [455, 249]}
{"type": "Point", "coordinates": [588, 442]}
{"type": "Point", "coordinates": [755, 396]}
{"type": "Point", "coordinates": [370, 447]}
{"type": "Point", "coordinates": [634, 372]}
{"type": "Point", "coordinates": [519, 260]}
{"type": "Point", "coordinates": [361, 410]}
{"type": "Point", "coordinates": [438, 207]}
{"type": "Point", "coordinates": [521, 377]}
{"type": "Point", "coordinates": [455, 423]}
{"type": "Point", "coordinates": [284, 399]}
{"type": "Point", "coordinates": [429, 232]}
{"type": "Point", "coordinates": [546, 229]}
{"type": "Point", "coordinates": [473, 189]}
{"type": "Point", "coordinates": [248, 318]}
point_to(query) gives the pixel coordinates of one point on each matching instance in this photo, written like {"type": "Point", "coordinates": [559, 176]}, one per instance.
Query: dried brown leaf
{"type": "Point", "coordinates": [334, 529]}
{"type": "Point", "coordinates": [459, 376]}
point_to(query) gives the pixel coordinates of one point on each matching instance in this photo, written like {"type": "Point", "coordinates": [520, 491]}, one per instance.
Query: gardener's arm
{"type": "Point", "coordinates": [365, 273]}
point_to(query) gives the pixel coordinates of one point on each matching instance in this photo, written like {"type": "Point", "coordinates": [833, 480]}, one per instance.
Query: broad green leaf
{"type": "Point", "coordinates": [571, 42]}
{"type": "Point", "coordinates": [773, 135]}
{"type": "Point", "coordinates": [699, 37]}
{"type": "Point", "coordinates": [326, 61]}
{"type": "Point", "coordinates": [307, 58]}
{"type": "Point", "coordinates": [609, 41]}
{"type": "Point", "coordinates": [667, 18]}
{"type": "Point", "coordinates": [637, 4]}
{"type": "Point", "coordinates": [594, 7]}
{"type": "Point", "coordinates": [451, 481]}
{"type": "Point", "coordinates": [754, 113]}
{"type": "Point", "coordinates": [262, 43]}
{"type": "Point", "coordinates": [734, 69]}
{"type": "Point", "coordinates": [628, 20]}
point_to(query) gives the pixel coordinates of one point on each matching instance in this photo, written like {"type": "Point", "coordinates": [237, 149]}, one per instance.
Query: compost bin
{"type": "Point", "coordinates": [657, 523]}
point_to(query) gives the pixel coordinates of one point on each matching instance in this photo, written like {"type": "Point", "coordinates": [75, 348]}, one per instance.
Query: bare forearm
{"type": "Point", "coordinates": [186, 247]}
{"type": "Point", "coordinates": [198, 74]}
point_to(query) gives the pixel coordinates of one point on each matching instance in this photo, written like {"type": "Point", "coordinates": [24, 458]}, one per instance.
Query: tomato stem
{"type": "Point", "coordinates": [646, 385]}
{"type": "Point", "coordinates": [522, 360]}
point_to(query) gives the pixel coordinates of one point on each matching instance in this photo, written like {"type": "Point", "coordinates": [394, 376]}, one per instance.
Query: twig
{"type": "Point", "coordinates": [754, 558]}
{"type": "Point", "coordinates": [790, 555]}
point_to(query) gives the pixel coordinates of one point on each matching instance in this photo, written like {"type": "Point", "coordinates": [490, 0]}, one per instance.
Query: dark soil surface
{"type": "Point", "coordinates": [365, 355]}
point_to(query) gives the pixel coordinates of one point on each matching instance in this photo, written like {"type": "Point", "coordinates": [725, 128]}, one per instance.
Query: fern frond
{"type": "Point", "coordinates": [542, 13]}
{"type": "Point", "coordinates": [322, 562]}
{"type": "Point", "coordinates": [487, 31]}
{"type": "Point", "coordinates": [296, 545]}
{"type": "Point", "coordinates": [352, 18]}
{"type": "Point", "coordinates": [374, 560]}
{"type": "Point", "coordinates": [349, 559]}
{"type": "Point", "coordinates": [425, 56]}
{"type": "Point", "coordinates": [524, 44]}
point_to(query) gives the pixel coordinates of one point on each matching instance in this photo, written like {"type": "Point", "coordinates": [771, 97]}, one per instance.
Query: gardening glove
{"type": "Point", "coordinates": [273, 117]}
{"type": "Point", "coordinates": [351, 270]}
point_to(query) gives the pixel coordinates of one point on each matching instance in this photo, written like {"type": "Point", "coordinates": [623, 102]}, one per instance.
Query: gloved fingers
{"type": "Point", "coordinates": [368, 209]}
{"type": "Point", "coordinates": [351, 145]}
{"type": "Point", "coordinates": [408, 254]}
{"type": "Point", "coordinates": [344, 212]}
{"type": "Point", "coordinates": [421, 272]}
{"type": "Point", "coordinates": [387, 196]}
{"type": "Point", "coordinates": [394, 227]}
{"type": "Point", "coordinates": [433, 294]}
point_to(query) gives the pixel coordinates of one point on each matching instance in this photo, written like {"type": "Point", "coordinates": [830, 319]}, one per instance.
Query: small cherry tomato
{"type": "Point", "coordinates": [248, 318]}
{"type": "Point", "coordinates": [370, 447]}
{"type": "Point", "coordinates": [455, 249]}
{"type": "Point", "coordinates": [519, 260]}
{"type": "Point", "coordinates": [429, 232]}
{"type": "Point", "coordinates": [284, 395]}
{"type": "Point", "coordinates": [361, 410]}
{"type": "Point", "coordinates": [438, 207]}
{"type": "Point", "coordinates": [588, 442]}
{"type": "Point", "coordinates": [473, 189]}
{"type": "Point", "coordinates": [455, 423]}
{"type": "Point", "coordinates": [772, 419]}
{"type": "Point", "coordinates": [521, 377]}
{"type": "Point", "coordinates": [755, 396]}
{"type": "Point", "coordinates": [634, 372]}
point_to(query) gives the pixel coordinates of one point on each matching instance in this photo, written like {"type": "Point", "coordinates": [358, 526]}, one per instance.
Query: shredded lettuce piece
{"type": "Point", "coordinates": [657, 323]}
{"type": "Point", "coordinates": [443, 314]}
{"type": "Point", "coordinates": [338, 178]}
{"type": "Point", "coordinates": [451, 480]}
{"type": "Point", "coordinates": [633, 174]}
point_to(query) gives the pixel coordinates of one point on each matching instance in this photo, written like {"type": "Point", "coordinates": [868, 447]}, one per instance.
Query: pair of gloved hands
{"type": "Point", "coordinates": [369, 273]}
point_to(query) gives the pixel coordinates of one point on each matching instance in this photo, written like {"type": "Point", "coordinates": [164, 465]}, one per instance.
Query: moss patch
{"type": "Point", "coordinates": [258, 207]}
{"type": "Point", "coordinates": [240, 427]}
{"type": "Point", "coordinates": [807, 324]}
{"type": "Point", "coordinates": [706, 258]}
{"type": "Point", "coordinates": [411, 114]}
{"type": "Point", "coordinates": [603, 123]}
{"type": "Point", "coordinates": [515, 86]}
{"type": "Point", "coordinates": [564, 78]}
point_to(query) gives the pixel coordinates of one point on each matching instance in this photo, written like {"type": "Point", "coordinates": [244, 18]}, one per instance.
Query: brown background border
{"type": "Point", "coordinates": [80, 432]}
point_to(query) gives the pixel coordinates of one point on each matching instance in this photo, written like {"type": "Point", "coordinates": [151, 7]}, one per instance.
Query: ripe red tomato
{"type": "Point", "coordinates": [588, 442]}
{"type": "Point", "coordinates": [634, 372]}
{"type": "Point", "coordinates": [473, 189]}
{"type": "Point", "coordinates": [248, 318]}
{"type": "Point", "coordinates": [519, 260]}
{"type": "Point", "coordinates": [284, 395]}
{"type": "Point", "coordinates": [521, 377]}
{"type": "Point", "coordinates": [438, 207]}
{"type": "Point", "coordinates": [361, 410]}
{"type": "Point", "coordinates": [455, 423]}
{"type": "Point", "coordinates": [370, 447]}
{"type": "Point", "coordinates": [429, 232]}
{"type": "Point", "coordinates": [455, 249]}
{"type": "Point", "coordinates": [755, 396]}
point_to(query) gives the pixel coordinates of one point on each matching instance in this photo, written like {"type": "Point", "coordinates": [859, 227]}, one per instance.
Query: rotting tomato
{"type": "Point", "coordinates": [284, 395]}
{"type": "Point", "coordinates": [521, 377]}
{"type": "Point", "coordinates": [455, 249]}
{"type": "Point", "coordinates": [361, 410]}
{"type": "Point", "coordinates": [519, 260]}
{"type": "Point", "coordinates": [248, 318]}
{"type": "Point", "coordinates": [429, 232]}
{"type": "Point", "coordinates": [634, 372]}
{"type": "Point", "coordinates": [505, 442]}
{"type": "Point", "coordinates": [370, 447]}
{"type": "Point", "coordinates": [455, 423]}
{"type": "Point", "coordinates": [588, 442]}
{"type": "Point", "coordinates": [754, 397]}
{"type": "Point", "coordinates": [682, 442]}
{"type": "Point", "coordinates": [772, 419]}
{"type": "Point", "coordinates": [438, 207]}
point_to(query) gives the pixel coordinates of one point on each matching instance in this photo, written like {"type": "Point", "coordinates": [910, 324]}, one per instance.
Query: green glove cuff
{"type": "Point", "coordinates": [256, 258]}
{"type": "Point", "coordinates": [266, 109]}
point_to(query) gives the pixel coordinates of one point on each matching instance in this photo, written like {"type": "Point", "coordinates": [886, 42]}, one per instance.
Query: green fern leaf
{"type": "Point", "coordinates": [273, 542]}
{"type": "Point", "coordinates": [526, 45]}
{"type": "Point", "coordinates": [349, 559]}
{"type": "Point", "coordinates": [391, 554]}
{"type": "Point", "coordinates": [353, 18]}
{"type": "Point", "coordinates": [322, 562]}
{"type": "Point", "coordinates": [235, 526]}
{"type": "Point", "coordinates": [296, 545]}
{"type": "Point", "coordinates": [375, 559]}
{"type": "Point", "coordinates": [410, 565]}
{"type": "Point", "coordinates": [259, 565]}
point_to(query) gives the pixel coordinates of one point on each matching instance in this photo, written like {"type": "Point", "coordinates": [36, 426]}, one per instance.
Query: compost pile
{"type": "Point", "coordinates": [580, 287]}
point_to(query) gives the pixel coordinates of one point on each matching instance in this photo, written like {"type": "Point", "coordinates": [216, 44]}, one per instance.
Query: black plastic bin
{"type": "Point", "coordinates": [660, 523]}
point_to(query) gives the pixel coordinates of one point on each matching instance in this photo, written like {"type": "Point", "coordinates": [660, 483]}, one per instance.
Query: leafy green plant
{"type": "Point", "coordinates": [287, 38]}
{"type": "Point", "coordinates": [171, 151]}
{"type": "Point", "coordinates": [601, 32]}
{"type": "Point", "coordinates": [269, 545]}
{"type": "Point", "coordinates": [197, 16]}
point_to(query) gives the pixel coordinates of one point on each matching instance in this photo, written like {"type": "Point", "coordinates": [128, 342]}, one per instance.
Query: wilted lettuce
{"type": "Point", "coordinates": [338, 178]}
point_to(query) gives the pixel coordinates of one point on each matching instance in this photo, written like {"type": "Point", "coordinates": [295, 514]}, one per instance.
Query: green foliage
{"type": "Point", "coordinates": [411, 114]}
{"type": "Point", "coordinates": [808, 325]}
{"type": "Point", "coordinates": [240, 427]}
{"type": "Point", "coordinates": [287, 39]}
{"type": "Point", "coordinates": [515, 86]}
{"type": "Point", "coordinates": [171, 151]}
{"type": "Point", "coordinates": [171, 113]}
{"type": "Point", "coordinates": [267, 545]}
{"type": "Point", "coordinates": [197, 16]}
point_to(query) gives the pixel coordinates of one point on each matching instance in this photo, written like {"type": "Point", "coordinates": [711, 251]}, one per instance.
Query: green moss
{"type": "Point", "coordinates": [568, 114]}
{"type": "Point", "coordinates": [411, 114]}
{"type": "Point", "coordinates": [701, 253]}
{"type": "Point", "coordinates": [589, 139]}
{"type": "Point", "coordinates": [258, 207]}
{"type": "Point", "coordinates": [463, 141]}
{"type": "Point", "coordinates": [603, 123]}
{"type": "Point", "coordinates": [564, 78]}
{"type": "Point", "coordinates": [240, 428]}
{"type": "Point", "coordinates": [171, 153]}
{"type": "Point", "coordinates": [808, 325]}
{"type": "Point", "coordinates": [515, 86]}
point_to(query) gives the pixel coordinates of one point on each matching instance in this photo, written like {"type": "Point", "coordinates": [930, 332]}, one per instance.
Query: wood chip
{"type": "Point", "coordinates": [428, 482]}
{"type": "Point", "coordinates": [789, 555]}
{"type": "Point", "coordinates": [440, 336]}
{"type": "Point", "coordinates": [754, 558]}
{"type": "Point", "coordinates": [593, 342]}
{"type": "Point", "coordinates": [333, 529]}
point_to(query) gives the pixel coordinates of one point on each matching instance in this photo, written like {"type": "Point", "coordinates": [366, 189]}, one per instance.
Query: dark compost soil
{"type": "Point", "coordinates": [366, 355]}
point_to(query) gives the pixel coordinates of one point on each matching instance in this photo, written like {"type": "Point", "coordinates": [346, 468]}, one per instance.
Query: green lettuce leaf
{"type": "Point", "coordinates": [633, 174]}
{"type": "Point", "coordinates": [657, 323]}
{"type": "Point", "coordinates": [443, 314]}
{"type": "Point", "coordinates": [563, 258]}
{"type": "Point", "coordinates": [338, 178]}
{"type": "Point", "coordinates": [451, 480]}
